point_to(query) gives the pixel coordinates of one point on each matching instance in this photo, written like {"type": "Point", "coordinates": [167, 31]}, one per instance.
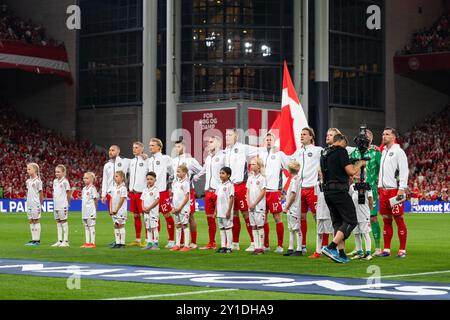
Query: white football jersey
{"type": "Point", "coordinates": [295, 187]}
{"type": "Point", "coordinates": [274, 163]}
{"type": "Point", "coordinates": [224, 192]}
{"type": "Point", "coordinates": [88, 209]}
{"type": "Point", "coordinates": [392, 160]}
{"type": "Point", "coordinates": [362, 210]}
{"type": "Point", "coordinates": [309, 159]}
{"type": "Point", "coordinates": [149, 196]}
{"type": "Point", "coordinates": [118, 193]}
{"type": "Point", "coordinates": [237, 158]}
{"type": "Point", "coordinates": [109, 169]}
{"type": "Point", "coordinates": [34, 187]}
{"type": "Point", "coordinates": [138, 172]}
{"type": "Point", "coordinates": [60, 188]}
{"type": "Point", "coordinates": [190, 162]}
{"type": "Point", "coordinates": [161, 165]}
{"type": "Point", "coordinates": [180, 188]}
{"type": "Point", "coordinates": [255, 185]}
{"type": "Point", "coordinates": [212, 166]}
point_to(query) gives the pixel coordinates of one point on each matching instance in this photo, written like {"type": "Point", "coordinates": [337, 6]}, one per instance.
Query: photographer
{"type": "Point", "coordinates": [336, 169]}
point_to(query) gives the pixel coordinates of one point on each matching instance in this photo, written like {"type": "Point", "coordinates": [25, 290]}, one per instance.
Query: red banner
{"type": "Point", "coordinates": [422, 62]}
{"type": "Point", "coordinates": [203, 124]}
{"type": "Point", "coordinates": [36, 59]}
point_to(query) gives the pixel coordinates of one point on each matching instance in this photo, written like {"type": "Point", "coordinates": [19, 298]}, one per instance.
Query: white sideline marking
{"type": "Point", "coordinates": [172, 294]}
{"type": "Point", "coordinates": [415, 274]}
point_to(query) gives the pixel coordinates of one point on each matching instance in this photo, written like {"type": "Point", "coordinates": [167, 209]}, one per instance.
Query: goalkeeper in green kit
{"type": "Point", "coordinates": [372, 169]}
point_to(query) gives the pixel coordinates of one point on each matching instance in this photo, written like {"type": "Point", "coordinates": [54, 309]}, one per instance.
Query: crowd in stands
{"type": "Point", "coordinates": [435, 39]}
{"type": "Point", "coordinates": [427, 146]}
{"type": "Point", "coordinates": [17, 29]}
{"type": "Point", "coordinates": [23, 140]}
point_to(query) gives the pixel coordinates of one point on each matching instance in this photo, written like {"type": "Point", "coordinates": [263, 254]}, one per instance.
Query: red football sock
{"type": "Point", "coordinates": [236, 228]}
{"type": "Point", "coordinates": [266, 235]}
{"type": "Point", "coordinates": [325, 239]}
{"type": "Point", "coordinates": [402, 232]}
{"type": "Point", "coordinates": [171, 228]}
{"type": "Point", "coordinates": [280, 233]}
{"type": "Point", "coordinates": [304, 228]}
{"type": "Point", "coordinates": [193, 237]}
{"type": "Point", "coordinates": [138, 226]}
{"type": "Point", "coordinates": [249, 229]}
{"type": "Point", "coordinates": [387, 233]}
{"type": "Point", "coordinates": [212, 228]}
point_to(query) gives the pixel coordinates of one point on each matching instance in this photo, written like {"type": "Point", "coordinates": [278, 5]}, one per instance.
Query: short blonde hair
{"type": "Point", "coordinates": [183, 168]}
{"type": "Point", "coordinates": [157, 141]}
{"type": "Point", "coordinates": [62, 167]}
{"type": "Point", "coordinates": [91, 175]}
{"type": "Point", "coordinates": [335, 130]}
{"type": "Point", "coordinates": [293, 167]}
{"type": "Point", "coordinates": [121, 174]}
{"type": "Point", "coordinates": [138, 143]}
{"type": "Point", "coordinates": [260, 164]}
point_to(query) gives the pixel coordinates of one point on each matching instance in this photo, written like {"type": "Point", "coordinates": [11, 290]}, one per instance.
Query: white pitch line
{"type": "Point", "coordinates": [172, 294]}
{"type": "Point", "coordinates": [415, 274]}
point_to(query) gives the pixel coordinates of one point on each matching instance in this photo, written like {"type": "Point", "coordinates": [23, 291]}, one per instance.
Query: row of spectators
{"type": "Point", "coordinates": [435, 39]}
{"type": "Point", "coordinates": [16, 29]}
{"type": "Point", "coordinates": [23, 141]}
{"type": "Point", "coordinates": [427, 146]}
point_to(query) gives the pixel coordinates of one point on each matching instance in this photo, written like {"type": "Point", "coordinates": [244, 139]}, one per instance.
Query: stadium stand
{"type": "Point", "coordinates": [435, 39]}
{"type": "Point", "coordinates": [16, 29]}
{"type": "Point", "coordinates": [427, 146]}
{"type": "Point", "coordinates": [23, 140]}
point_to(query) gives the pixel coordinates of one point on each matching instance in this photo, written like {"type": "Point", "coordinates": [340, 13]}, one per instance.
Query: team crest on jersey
{"type": "Point", "coordinates": [273, 157]}
{"type": "Point", "coordinates": [391, 154]}
{"type": "Point", "coordinates": [141, 164]}
{"type": "Point", "coordinates": [224, 188]}
{"type": "Point", "coordinates": [119, 164]}
{"type": "Point", "coordinates": [310, 154]}
{"type": "Point", "coordinates": [217, 159]}
{"type": "Point", "coordinates": [236, 150]}
{"type": "Point", "coordinates": [33, 185]}
{"type": "Point", "coordinates": [157, 162]}
{"type": "Point", "coordinates": [151, 194]}
{"type": "Point", "coordinates": [257, 183]}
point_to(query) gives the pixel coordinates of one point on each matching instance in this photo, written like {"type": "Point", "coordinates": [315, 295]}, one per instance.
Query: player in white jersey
{"type": "Point", "coordinates": [89, 202]}
{"type": "Point", "coordinates": [224, 210]}
{"type": "Point", "coordinates": [293, 210]}
{"type": "Point", "coordinates": [115, 163]}
{"type": "Point", "coordinates": [181, 209]}
{"type": "Point", "coordinates": [362, 231]}
{"type": "Point", "coordinates": [61, 201]}
{"type": "Point", "coordinates": [274, 163]}
{"type": "Point", "coordinates": [150, 205]}
{"type": "Point", "coordinates": [162, 165]}
{"type": "Point", "coordinates": [309, 158]}
{"type": "Point", "coordinates": [118, 209]}
{"type": "Point", "coordinates": [194, 168]}
{"type": "Point", "coordinates": [35, 197]}
{"type": "Point", "coordinates": [237, 156]}
{"type": "Point", "coordinates": [138, 170]}
{"type": "Point", "coordinates": [211, 169]}
{"type": "Point", "coordinates": [256, 196]}
{"type": "Point", "coordinates": [392, 184]}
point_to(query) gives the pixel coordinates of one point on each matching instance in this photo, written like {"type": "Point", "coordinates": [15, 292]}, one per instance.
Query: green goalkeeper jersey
{"type": "Point", "coordinates": [373, 166]}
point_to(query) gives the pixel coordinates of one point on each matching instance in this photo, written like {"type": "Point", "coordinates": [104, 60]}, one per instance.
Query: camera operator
{"type": "Point", "coordinates": [336, 169]}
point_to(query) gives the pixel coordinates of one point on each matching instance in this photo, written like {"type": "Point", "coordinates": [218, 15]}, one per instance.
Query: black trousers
{"type": "Point", "coordinates": [342, 211]}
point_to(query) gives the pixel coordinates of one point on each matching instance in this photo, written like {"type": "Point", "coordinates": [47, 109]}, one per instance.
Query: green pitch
{"type": "Point", "coordinates": [428, 251]}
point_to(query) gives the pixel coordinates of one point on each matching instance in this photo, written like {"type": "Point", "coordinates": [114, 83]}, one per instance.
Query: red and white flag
{"type": "Point", "coordinates": [288, 126]}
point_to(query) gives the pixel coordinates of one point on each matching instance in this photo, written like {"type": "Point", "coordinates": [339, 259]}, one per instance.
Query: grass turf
{"type": "Point", "coordinates": [428, 251]}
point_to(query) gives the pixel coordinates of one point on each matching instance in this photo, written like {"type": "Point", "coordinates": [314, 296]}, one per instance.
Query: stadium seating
{"type": "Point", "coordinates": [435, 39]}
{"type": "Point", "coordinates": [23, 140]}
{"type": "Point", "coordinates": [427, 146]}
{"type": "Point", "coordinates": [16, 29]}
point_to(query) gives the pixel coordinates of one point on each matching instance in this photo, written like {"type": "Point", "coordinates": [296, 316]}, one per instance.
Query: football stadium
{"type": "Point", "coordinates": [224, 150]}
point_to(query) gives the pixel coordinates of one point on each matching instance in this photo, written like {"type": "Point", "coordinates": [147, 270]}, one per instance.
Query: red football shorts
{"type": "Point", "coordinates": [210, 202]}
{"type": "Point", "coordinates": [192, 201]}
{"type": "Point", "coordinates": [164, 202]}
{"type": "Point", "coordinates": [385, 205]}
{"type": "Point", "coordinates": [108, 198]}
{"type": "Point", "coordinates": [309, 200]}
{"type": "Point", "coordinates": [135, 202]}
{"type": "Point", "coordinates": [240, 197]}
{"type": "Point", "coordinates": [273, 202]}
